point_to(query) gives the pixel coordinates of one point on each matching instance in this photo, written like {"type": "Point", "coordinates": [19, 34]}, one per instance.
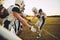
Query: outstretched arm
{"type": "Point", "coordinates": [21, 19]}
{"type": "Point", "coordinates": [16, 12]}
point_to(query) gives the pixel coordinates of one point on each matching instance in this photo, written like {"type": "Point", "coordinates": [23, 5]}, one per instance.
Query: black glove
{"type": "Point", "coordinates": [29, 20]}
{"type": "Point", "coordinates": [38, 16]}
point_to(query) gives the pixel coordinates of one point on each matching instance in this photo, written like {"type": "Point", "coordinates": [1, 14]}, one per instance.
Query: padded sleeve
{"type": "Point", "coordinates": [16, 9]}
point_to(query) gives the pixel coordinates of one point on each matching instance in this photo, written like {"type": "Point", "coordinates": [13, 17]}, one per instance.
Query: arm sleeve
{"type": "Point", "coordinates": [16, 9]}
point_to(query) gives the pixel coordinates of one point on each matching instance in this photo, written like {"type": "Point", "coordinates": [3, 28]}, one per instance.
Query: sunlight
{"type": "Point", "coordinates": [50, 7]}
{"type": "Point", "coordinates": [8, 3]}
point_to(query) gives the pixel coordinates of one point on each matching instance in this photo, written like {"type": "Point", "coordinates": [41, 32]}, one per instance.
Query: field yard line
{"type": "Point", "coordinates": [51, 34]}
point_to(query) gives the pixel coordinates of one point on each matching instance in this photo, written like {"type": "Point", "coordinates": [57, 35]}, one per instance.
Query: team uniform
{"type": "Point", "coordinates": [40, 22]}
{"type": "Point", "coordinates": [7, 35]}
{"type": "Point", "coordinates": [10, 22]}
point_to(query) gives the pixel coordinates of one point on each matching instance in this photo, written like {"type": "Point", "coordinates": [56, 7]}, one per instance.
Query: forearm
{"type": "Point", "coordinates": [21, 20]}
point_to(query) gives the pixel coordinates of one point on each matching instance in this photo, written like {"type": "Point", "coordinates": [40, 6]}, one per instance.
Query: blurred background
{"type": "Point", "coordinates": [51, 30]}
{"type": "Point", "coordinates": [50, 7]}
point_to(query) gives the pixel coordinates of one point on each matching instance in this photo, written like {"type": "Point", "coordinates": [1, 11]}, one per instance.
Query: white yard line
{"type": "Point", "coordinates": [51, 34]}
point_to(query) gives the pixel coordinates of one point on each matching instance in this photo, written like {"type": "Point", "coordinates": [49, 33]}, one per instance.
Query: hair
{"type": "Point", "coordinates": [40, 10]}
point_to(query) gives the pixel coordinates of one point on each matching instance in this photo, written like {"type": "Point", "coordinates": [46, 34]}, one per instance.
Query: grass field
{"type": "Point", "coordinates": [50, 31]}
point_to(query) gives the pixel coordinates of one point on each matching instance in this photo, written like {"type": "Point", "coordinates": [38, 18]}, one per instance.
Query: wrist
{"type": "Point", "coordinates": [30, 28]}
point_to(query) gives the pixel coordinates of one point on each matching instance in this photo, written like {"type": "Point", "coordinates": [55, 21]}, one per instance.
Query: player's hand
{"type": "Point", "coordinates": [32, 29]}
{"type": "Point", "coordinates": [29, 20]}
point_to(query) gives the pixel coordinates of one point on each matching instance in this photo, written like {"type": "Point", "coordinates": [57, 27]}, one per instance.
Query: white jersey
{"type": "Point", "coordinates": [40, 21]}
{"type": "Point", "coordinates": [6, 34]}
{"type": "Point", "coordinates": [11, 18]}
{"type": "Point", "coordinates": [11, 7]}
